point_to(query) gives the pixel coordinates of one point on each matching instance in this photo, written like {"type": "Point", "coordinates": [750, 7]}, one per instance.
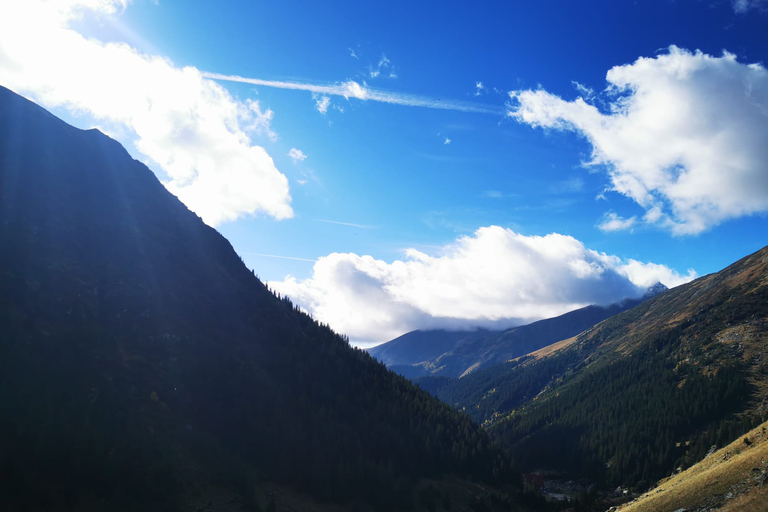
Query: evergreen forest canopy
{"type": "Point", "coordinates": [141, 361]}
{"type": "Point", "coordinates": [642, 393]}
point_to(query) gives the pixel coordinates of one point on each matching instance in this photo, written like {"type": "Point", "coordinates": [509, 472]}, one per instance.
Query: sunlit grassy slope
{"type": "Point", "coordinates": [732, 479]}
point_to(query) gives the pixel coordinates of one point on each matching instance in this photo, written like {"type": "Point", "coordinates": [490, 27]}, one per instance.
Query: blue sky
{"type": "Point", "coordinates": [395, 166]}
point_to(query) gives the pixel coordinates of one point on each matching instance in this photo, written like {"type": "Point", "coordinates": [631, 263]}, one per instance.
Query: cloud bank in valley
{"type": "Point", "coordinates": [683, 134]}
{"type": "Point", "coordinates": [191, 127]}
{"type": "Point", "coordinates": [494, 278]}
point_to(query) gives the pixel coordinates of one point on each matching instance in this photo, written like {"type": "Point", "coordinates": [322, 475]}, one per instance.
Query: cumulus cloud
{"type": "Point", "coordinates": [683, 135]}
{"type": "Point", "coordinates": [322, 103]}
{"type": "Point", "coordinates": [494, 278]}
{"type": "Point", "coordinates": [613, 222]}
{"type": "Point", "coordinates": [297, 155]}
{"type": "Point", "coordinates": [191, 127]}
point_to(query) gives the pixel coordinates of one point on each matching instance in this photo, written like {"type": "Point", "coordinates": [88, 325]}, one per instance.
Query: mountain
{"type": "Point", "coordinates": [144, 367]}
{"type": "Point", "coordinates": [456, 354]}
{"type": "Point", "coordinates": [411, 353]}
{"type": "Point", "coordinates": [639, 394]}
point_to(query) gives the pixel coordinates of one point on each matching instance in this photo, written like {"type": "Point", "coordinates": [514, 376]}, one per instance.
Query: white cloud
{"type": "Point", "coordinates": [479, 88]}
{"type": "Point", "coordinates": [493, 278]}
{"type": "Point", "coordinates": [191, 127]}
{"type": "Point", "coordinates": [297, 155]}
{"type": "Point", "coordinates": [322, 103]}
{"type": "Point", "coordinates": [586, 92]}
{"type": "Point", "coordinates": [447, 141]}
{"type": "Point", "coordinates": [384, 66]}
{"type": "Point", "coordinates": [613, 222]}
{"type": "Point", "coordinates": [258, 121]}
{"type": "Point", "coordinates": [652, 273]}
{"type": "Point", "coordinates": [683, 135]}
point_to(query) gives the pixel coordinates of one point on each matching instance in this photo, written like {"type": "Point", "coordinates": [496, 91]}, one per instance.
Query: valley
{"type": "Point", "coordinates": [639, 394]}
{"type": "Point", "coordinates": [142, 364]}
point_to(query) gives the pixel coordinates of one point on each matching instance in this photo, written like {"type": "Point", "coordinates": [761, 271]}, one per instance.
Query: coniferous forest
{"type": "Point", "coordinates": [141, 360]}
{"type": "Point", "coordinates": [633, 399]}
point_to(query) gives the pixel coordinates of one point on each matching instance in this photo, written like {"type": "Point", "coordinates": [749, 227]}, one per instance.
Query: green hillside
{"type": "Point", "coordinates": [641, 393]}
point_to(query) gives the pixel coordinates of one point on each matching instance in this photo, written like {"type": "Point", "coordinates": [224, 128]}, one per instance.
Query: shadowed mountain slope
{"type": "Point", "coordinates": [141, 361]}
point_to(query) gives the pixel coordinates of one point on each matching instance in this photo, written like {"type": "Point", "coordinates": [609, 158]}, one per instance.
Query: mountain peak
{"type": "Point", "coordinates": [654, 290]}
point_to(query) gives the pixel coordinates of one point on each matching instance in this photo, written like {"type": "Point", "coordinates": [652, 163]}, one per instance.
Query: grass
{"type": "Point", "coordinates": [551, 349]}
{"type": "Point", "coordinates": [732, 479]}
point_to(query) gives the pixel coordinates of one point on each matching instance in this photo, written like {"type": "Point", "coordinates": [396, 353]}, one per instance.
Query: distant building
{"type": "Point", "coordinates": [534, 480]}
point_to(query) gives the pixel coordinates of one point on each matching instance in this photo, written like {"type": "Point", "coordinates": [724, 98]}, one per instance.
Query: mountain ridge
{"type": "Point", "coordinates": [641, 392]}
{"type": "Point", "coordinates": [141, 361]}
{"type": "Point", "coordinates": [456, 354]}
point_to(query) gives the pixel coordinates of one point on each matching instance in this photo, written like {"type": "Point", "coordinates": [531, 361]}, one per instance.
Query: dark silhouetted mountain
{"type": "Point", "coordinates": [455, 354]}
{"type": "Point", "coordinates": [141, 362]}
{"type": "Point", "coordinates": [640, 394]}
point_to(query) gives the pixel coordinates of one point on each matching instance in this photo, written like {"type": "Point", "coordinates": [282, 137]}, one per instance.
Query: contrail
{"type": "Point", "coordinates": [278, 256]}
{"type": "Point", "coordinates": [352, 89]}
{"type": "Point", "coordinates": [350, 224]}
